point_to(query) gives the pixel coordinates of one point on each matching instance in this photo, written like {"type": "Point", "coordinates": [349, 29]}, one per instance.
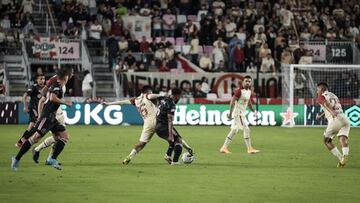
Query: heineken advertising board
{"type": "Point", "coordinates": [192, 114]}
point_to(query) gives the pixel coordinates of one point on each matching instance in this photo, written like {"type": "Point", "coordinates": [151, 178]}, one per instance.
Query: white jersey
{"type": "Point", "coordinates": [145, 106]}
{"type": "Point", "coordinates": [333, 100]}
{"type": "Point", "coordinates": [243, 97]}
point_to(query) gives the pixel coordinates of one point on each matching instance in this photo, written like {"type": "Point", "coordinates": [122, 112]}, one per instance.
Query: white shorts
{"type": "Point", "coordinates": [339, 126]}
{"type": "Point", "coordinates": [60, 117]}
{"type": "Point", "coordinates": [239, 122]}
{"type": "Point", "coordinates": [148, 130]}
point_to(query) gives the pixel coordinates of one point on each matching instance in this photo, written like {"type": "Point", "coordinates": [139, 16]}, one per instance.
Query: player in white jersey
{"type": "Point", "coordinates": [239, 102]}
{"type": "Point", "coordinates": [338, 123]}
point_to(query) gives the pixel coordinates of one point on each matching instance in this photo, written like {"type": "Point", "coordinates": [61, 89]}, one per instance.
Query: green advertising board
{"type": "Point", "coordinates": [213, 114]}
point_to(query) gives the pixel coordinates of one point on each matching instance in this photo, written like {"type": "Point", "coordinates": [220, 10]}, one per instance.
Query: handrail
{"type": "Point", "coordinates": [26, 61]}
{"type": "Point", "coordinates": [51, 16]}
{"type": "Point", "coordinates": [117, 84]}
{"type": "Point", "coordinates": [86, 63]}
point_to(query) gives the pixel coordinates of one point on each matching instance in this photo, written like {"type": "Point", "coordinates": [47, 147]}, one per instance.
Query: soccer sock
{"type": "Point", "coordinates": [177, 152]}
{"type": "Point", "coordinates": [229, 137]}
{"type": "Point", "coordinates": [133, 153]}
{"type": "Point", "coordinates": [59, 146]}
{"type": "Point", "coordinates": [336, 153]}
{"type": "Point", "coordinates": [25, 136]}
{"type": "Point", "coordinates": [247, 142]}
{"type": "Point", "coordinates": [345, 151]}
{"type": "Point", "coordinates": [170, 149]}
{"type": "Point", "coordinates": [24, 148]}
{"type": "Point", "coordinates": [46, 143]}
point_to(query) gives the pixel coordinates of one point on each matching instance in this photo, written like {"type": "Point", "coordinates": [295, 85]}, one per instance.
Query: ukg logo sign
{"type": "Point", "coordinates": [354, 115]}
{"type": "Point", "coordinates": [92, 114]}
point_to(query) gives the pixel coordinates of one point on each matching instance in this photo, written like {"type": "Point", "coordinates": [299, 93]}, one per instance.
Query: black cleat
{"type": "Point", "coordinates": [36, 155]}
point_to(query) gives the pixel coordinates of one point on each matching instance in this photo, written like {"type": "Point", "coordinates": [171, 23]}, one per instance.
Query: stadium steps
{"type": "Point", "coordinates": [16, 75]}
{"type": "Point", "coordinates": [104, 80]}
{"type": "Point", "coordinates": [39, 16]}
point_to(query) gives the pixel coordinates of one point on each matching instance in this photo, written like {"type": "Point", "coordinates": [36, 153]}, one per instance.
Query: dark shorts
{"type": "Point", "coordinates": [44, 125]}
{"type": "Point", "coordinates": [163, 132]}
{"type": "Point", "coordinates": [33, 115]}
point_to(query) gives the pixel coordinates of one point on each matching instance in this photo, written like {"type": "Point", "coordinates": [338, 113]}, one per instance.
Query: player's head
{"type": "Point", "coordinates": [176, 94]}
{"type": "Point", "coordinates": [321, 87]}
{"type": "Point", "coordinates": [40, 79]}
{"type": "Point", "coordinates": [247, 82]}
{"type": "Point", "coordinates": [63, 76]}
{"type": "Point", "coordinates": [146, 89]}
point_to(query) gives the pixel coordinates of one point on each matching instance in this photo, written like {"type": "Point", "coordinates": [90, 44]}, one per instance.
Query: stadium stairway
{"type": "Point", "coordinates": [16, 75]}
{"type": "Point", "coordinates": [103, 77]}
{"type": "Point", "coordinates": [40, 11]}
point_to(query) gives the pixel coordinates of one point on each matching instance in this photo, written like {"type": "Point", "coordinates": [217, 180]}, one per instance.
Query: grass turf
{"type": "Point", "coordinates": [293, 166]}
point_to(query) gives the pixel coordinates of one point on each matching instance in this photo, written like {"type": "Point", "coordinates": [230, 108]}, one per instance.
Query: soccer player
{"type": "Point", "coordinates": [59, 116]}
{"type": "Point", "coordinates": [165, 129]}
{"type": "Point", "coordinates": [239, 102]}
{"type": "Point", "coordinates": [145, 104]}
{"type": "Point", "coordinates": [34, 92]}
{"type": "Point", "coordinates": [338, 123]}
{"type": "Point", "coordinates": [47, 121]}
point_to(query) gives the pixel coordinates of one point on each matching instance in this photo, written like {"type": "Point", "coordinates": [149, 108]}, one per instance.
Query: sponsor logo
{"type": "Point", "coordinates": [353, 113]}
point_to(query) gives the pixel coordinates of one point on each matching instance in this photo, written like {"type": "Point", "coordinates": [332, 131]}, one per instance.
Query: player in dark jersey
{"type": "Point", "coordinates": [46, 122]}
{"type": "Point", "coordinates": [34, 92]}
{"type": "Point", "coordinates": [165, 129]}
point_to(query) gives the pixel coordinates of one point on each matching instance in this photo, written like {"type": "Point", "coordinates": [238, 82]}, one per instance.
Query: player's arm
{"type": "Point", "coordinates": [152, 96]}
{"type": "Point", "coordinates": [121, 102]}
{"type": "Point", "coordinates": [326, 105]}
{"type": "Point", "coordinates": [24, 98]}
{"type": "Point", "coordinates": [54, 98]}
{"type": "Point", "coordinates": [234, 98]}
{"type": "Point", "coordinates": [43, 92]}
{"type": "Point", "coordinates": [319, 115]}
{"type": "Point", "coordinates": [251, 106]}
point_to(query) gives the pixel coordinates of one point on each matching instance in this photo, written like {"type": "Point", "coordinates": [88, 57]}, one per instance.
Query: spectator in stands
{"type": "Point", "coordinates": [205, 85]}
{"type": "Point", "coordinates": [194, 49]}
{"type": "Point", "coordinates": [87, 85]}
{"type": "Point", "coordinates": [186, 90]}
{"type": "Point", "coordinates": [241, 35]}
{"type": "Point", "coordinates": [190, 30]}
{"type": "Point", "coordinates": [144, 45]}
{"type": "Point", "coordinates": [121, 66]}
{"type": "Point", "coordinates": [169, 21]}
{"type": "Point", "coordinates": [5, 23]}
{"type": "Point", "coordinates": [249, 52]}
{"type": "Point", "coordinates": [299, 84]}
{"type": "Point", "coordinates": [130, 60]}
{"type": "Point", "coordinates": [205, 62]}
{"type": "Point", "coordinates": [95, 30]}
{"type": "Point", "coordinates": [164, 66]}
{"type": "Point", "coordinates": [286, 57]}
{"type": "Point", "coordinates": [2, 41]}
{"type": "Point", "coordinates": [145, 11]}
{"type": "Point", "coordinates": [218, 7]}
{"type": "Point", "coordinates": [123, 44]}
{"type": "Point", "coordinates": [156, 24]}
{"type": "Point", "coordinates": [230, 28]}
{"type": "Point", "coordinates": [27, 6]}
{"type": "Point", "coordinates": [113, 49]}
{"type": "Point", "coordinates": [153, 67]}
{"type": "Point", "coordinates": [160, 54]}
{"type": "Point", "coordinates": [268, 65]}
{"type": "Point", "coordinates": [198, 93]}
{"type": "Point", "coordinates": [121, 10]}
{"type": "Point", "coordinates": [251, 68]}
{"type": "Point", "coordinates": [307, 58]}
{"type": "Point", "coordinates": [134, 45]}
{"type": "Point", "coordinates": [238, 58]}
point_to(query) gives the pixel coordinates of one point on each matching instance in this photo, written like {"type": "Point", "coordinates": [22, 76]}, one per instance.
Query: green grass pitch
{"type": "Point", "coordinates": [293, 166]}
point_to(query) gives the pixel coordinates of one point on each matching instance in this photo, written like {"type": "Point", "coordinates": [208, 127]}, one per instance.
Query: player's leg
{"type": "Point", "coordinates": [146, 135]}
{"type": "Point", "coordinates": [42, 128]}
{"type": "Point", "coordinates": [29, 131]}
{"type": "Point", "coordinates": [247, 140]}
{"type": "Point", "coordinates": [343, 136]}
{"type": "Point", "coordinates": [44, 144]}
{"type": "Point", "coordinates": [235, 126]}
{"type": "Point", "coordinates": [177, 149]}
{"type": "Point", "coordinates": [163, 132]}
{"type": "Point", "coordinates": [184, 143]}
{"type": "Point", "coordinates": [63, 138]}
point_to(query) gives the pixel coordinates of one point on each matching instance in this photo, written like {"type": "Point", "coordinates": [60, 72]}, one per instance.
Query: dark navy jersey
{"type": "Point", "coordinates": [34, 92]}
{"type": "Point", "coordinates": [50, 107]}
{"type": "Point", "coordinates": [165, 106]}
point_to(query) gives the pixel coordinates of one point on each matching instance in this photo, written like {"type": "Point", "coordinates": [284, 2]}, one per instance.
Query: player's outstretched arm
{"type": "Point", "coordinates": [153, 96]}
{"type": "Point", "coordinates": [26, 110]}
{"type": "Point", "coordinates": [319, 115]}
{"type": "Point", "coordinates": [121, 102]}
{"type": "Point", "coordinates": [55, 99]}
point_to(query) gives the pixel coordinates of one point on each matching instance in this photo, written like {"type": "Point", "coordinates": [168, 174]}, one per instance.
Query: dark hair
{"type": "Point", "coordinates": [176, 91]}
{"type": "Point", "coordinates": [62, 73]}
{"type": "Point", "coordinates": [247, 77]}
{"type": "Point", "coordinates": [146, 89]}
{"type": "Point", "coordinates": [323, 85]}
{"type": "Point", "coordinates": [39, 75]}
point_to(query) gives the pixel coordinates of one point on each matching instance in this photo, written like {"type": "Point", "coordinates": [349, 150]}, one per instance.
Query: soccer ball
{"type": "Point", "coordinates": [187, 158]}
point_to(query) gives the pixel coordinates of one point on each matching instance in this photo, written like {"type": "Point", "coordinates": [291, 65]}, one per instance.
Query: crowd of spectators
{"type": "Point", "coordinates": [228, 36]}
{"type": "Point", "coordinates": [16, 23]}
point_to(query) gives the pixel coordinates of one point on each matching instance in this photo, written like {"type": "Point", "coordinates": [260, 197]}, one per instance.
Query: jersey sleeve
{"type": "Point", "coordinates": [132, 100]}
{"type": "Point", "coordinates": [237, 93]}
{"type": "Point", "coordinates": [321, 99]}
{"type": "Point", "coordinates": [29, 91]}
{"type": "Point", "coordinates": [51, 81]}
{"type": "Point", "coordinates": [57, 90]}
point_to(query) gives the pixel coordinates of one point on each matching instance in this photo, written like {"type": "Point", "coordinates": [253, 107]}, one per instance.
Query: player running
{"type": "Point", "coordinates": [165, 129]}
{"type": "Point", "coordinates": [338, 123]}
{"type": "Point", "coordinates": [34, 92]}
{"type": "Point", "coordinates": [241, 99]}
{"type": "Point", "coordinates": [47, 121]}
